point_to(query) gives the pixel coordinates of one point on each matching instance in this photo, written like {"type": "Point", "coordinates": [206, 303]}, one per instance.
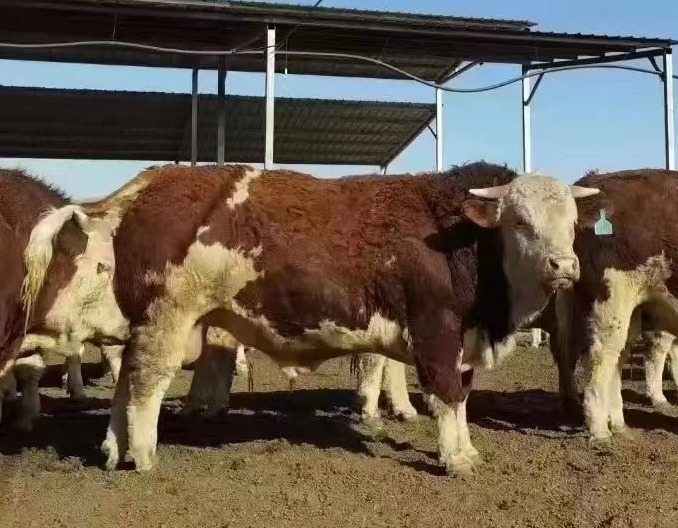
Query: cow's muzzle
{"type": "Point", "coordinates": [561, 272]}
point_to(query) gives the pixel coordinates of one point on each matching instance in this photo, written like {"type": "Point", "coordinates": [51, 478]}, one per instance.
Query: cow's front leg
{"type": "Point", "coordinates": [437, 348]}
{"type": "Point", "coordinates": [28, 371]}
{"type": "Point", "coordinates": [610, 324]}
{"type": "Point", "coordinates": [156, 353]}
{"type": "Point", "coordinates": [454, 440]}
{"type": "Point", "coordinates": [212, 380]}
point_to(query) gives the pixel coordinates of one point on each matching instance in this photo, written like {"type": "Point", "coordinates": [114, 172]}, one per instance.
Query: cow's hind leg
{"type": "Point", "coordinates": [113, 356]}
{"type": "Point", "coordinates": [396, 390]}
{"type": "Point", "coordinates": [659, 345]}
{"type": "Point", "coordinates": [75, 384]}
{"type": "Point", "coordinates": [370, 373]}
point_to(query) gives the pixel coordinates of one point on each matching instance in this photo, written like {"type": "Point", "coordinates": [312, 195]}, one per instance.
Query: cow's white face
{"type": "Point", "coordinates": [86, 307]}
{"type": "Point", "coordinates": [536, 216]}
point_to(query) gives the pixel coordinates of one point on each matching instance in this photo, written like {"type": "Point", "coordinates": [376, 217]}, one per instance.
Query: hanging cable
{"type": "Point", "coordinates": [379, 62]}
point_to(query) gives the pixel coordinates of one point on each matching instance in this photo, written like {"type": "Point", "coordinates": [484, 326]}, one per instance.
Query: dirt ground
{"type": "Point", "coordinates": [291, 459]}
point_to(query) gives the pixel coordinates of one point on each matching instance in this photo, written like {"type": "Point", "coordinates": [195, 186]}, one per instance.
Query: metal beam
{"type": "Point", "coordinates": [439, 130]}
{"type": "Point", "coordinates": [669, 145]}
{"type": "Point", "coordinates": [194, 118]}
{"type": "Point", "coordinates": [221, 122]}
{"type": "Point", "coordinates": [617, 57]}
{"type": "Point", "coordinates": [527, 125]}
{"type": "Point", "coordinates": [270, 97]}
{"type": "Point", "coordinates": [456, 71]}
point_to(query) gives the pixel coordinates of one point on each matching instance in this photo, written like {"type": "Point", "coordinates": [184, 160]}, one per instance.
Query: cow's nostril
{"type": "Point", "coordinates": [553, 263]}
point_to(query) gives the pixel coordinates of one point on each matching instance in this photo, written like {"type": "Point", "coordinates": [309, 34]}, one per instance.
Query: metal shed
{"type": "Point", "coordinates": [262, 37]}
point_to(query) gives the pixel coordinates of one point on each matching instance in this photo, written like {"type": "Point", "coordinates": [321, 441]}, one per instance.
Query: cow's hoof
{"type": "Point", "coordinates": [143, 460]}
{"type": "Point", "coordinates": [601, 442]}
{"type": "Point", "coordinates": [78, 396]}
{"type": "Point", "coordinates": [624, 431]}
{"type": "Point", "coordinates": [23, 425]}
{"type": "Point", "coordinates": [215, 412]}
{"type": "Point", "coordinates": [109, 448]}
{"type": "Point", "coordinates": [406, 414]}
{"type": "Point", "coordinates": [191, 410]}
{"type": "Point", "coordinates": [461, 466]}
{"type": "Point", "coordinates": [664, 407]}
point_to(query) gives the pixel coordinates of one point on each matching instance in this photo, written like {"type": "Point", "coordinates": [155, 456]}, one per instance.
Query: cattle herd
{"type": "Point", "coordinates": [192, 265]}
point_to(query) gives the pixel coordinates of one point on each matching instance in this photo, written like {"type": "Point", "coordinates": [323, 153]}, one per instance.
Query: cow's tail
{"type": "Point", "coordinates": [38, 252]}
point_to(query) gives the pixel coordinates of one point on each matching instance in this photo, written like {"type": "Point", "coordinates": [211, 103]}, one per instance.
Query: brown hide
{"type": "Point", "coordinates": [23, 199]}
{"type": "Point", "coordinates": [641, 205]}
{"type": "Point", "coordinates": [339, 250]}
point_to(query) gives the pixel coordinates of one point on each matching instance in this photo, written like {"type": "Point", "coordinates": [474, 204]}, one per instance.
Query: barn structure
{"type": "Point", "coordinates": [230, 36]}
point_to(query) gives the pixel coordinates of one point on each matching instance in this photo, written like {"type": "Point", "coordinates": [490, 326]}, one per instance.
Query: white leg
{"type": "Point", "coordinates": [615, 402]}
{"type": "Point", "coordinates": [115, 444]}
{"type": "Point", "coordinates": [610, 324]}
{"type": "Point", "coordinates": [655, 358]}
{"type": "Point", "coordinates": [673, 359]}
{"type": "Point", "coordinates": [76, 387]}
{"type": "Point", "coordinates": [241, 368]}
{"type": "Point", "coordinates": [29, 370]}
{"type": "Point", "coordinates": [370, 374]}
{"type": "Point", "coordinates": [454, 441]}
{"type": "Point", "coordinates": [113, 355]}
{"type": "Point", "coordinates": [536, 337]}
{"type": "Point", "coordinates": [396, 389]}
{"type": "Point", "coordinates": [156, 353]}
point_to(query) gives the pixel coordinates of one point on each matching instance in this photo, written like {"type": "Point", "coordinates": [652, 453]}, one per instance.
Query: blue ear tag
{"type": "Point", "coordinates": [603, 226]}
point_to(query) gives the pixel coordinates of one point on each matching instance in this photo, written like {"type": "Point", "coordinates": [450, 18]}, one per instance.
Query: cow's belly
{"type": "Point", "coordinates": [315, 345]}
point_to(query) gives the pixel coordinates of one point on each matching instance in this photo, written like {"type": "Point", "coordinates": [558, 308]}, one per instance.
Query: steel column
{"type": "Point", "coordinates": [383, 169]}
{"type": "Point", "coordinates": [270, 97]}
{"type": "Point", "coordinates": [221, 123]}
{"type": "Point", "coordinates": [439, 129]}
{"type": "Point", "coordinates": [527, 125]}
{"type": "Point", "coordinates": [194, 118]}
{"type": "Point", "coordinates": [669, 145]}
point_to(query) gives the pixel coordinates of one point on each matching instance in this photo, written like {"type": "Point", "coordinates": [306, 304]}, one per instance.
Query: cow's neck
{"type": "Point", "coordinates": [503, 305]}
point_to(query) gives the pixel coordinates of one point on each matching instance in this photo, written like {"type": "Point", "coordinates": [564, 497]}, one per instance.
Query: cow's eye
{"type": "Point", "coordinates": [103, 268]}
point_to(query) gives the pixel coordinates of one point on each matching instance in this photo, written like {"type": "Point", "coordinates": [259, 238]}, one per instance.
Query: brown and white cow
{"type": "Point", "coordinates": [57, 270]}
{"type": "Point", "coordinates": [307, 269]}
{"type": "Point", "coordinates": [625, 275]}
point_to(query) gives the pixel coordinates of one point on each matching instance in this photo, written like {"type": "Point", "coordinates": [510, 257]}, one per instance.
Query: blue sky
{"type": "Point", "coordinates": [605, 119]}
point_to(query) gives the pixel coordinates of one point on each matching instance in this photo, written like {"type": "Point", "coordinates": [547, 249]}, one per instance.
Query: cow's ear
{"type": "Point", "coordinates": [480, 212]}
{"type": "Point", "coordinates": [589, 208]}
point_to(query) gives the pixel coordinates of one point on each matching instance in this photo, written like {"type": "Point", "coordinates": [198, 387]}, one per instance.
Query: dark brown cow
{"type": "Point", "coordinates": [67, 262]}
{"type": "Point", "coordinates": [307, 269]}
{"type": "Point", "coordinates": [624, 276]}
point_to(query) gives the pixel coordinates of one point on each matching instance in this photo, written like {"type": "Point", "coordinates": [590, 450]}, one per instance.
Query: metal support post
{"type": "Point", "coordinates": [439, 129]}
{"type": "Point", "coordinates": [221, 124]}
{"type": "Point", "coordinates": [669, 145]}
{"type": "Point", "coordinates": [270, 97]}
{"type": "Point", "coordinates": [382, 169]}
{"type": "Point", "coordinates": [527, 125]}
{"type": "Point", "coordinates": [194, 118]}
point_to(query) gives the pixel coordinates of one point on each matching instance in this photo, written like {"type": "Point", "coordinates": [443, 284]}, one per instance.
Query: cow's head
{"type": "Point", "coordinates": [69, 276]}
{"type": "Point", "coordinates": [536, 216]}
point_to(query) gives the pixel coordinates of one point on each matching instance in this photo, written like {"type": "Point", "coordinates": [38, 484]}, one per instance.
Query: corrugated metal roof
{"type": "Point", "coordinates": [424, 45]}
{"type": "Point", "coordinates": [92, 124]}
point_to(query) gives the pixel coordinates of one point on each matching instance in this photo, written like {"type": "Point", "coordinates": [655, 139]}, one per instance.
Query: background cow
{"type": "Point", "coordinates": [307, 269]}
{"type": "Point", "coordinates": [625, 275]}
{"type": "Point", "coordinates": [57, 270]}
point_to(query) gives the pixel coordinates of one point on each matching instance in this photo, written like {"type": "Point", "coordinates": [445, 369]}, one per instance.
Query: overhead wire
{"type": "Point", "coordinates": [549, 68]}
